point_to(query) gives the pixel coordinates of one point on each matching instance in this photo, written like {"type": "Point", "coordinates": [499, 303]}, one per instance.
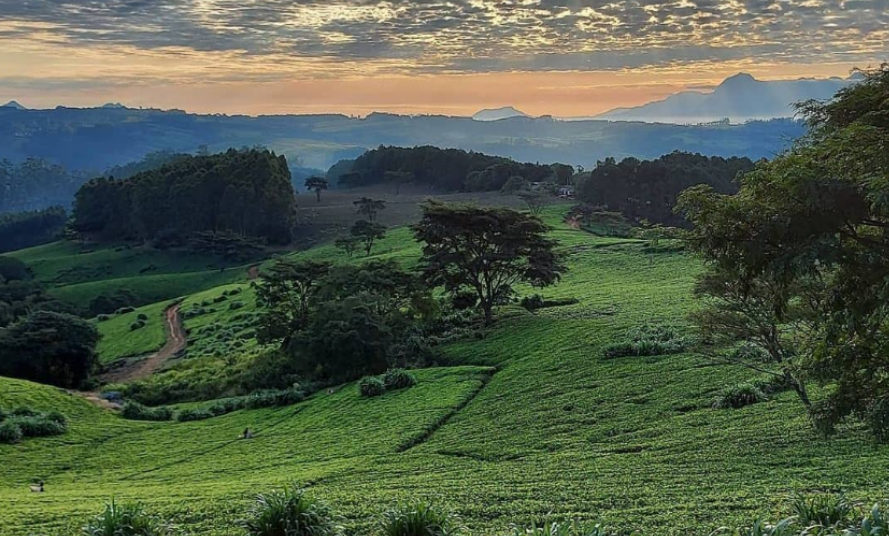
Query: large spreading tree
{"type": "Point", "coordinates": [814, 225]}
{"type": "Point", "coordinates": [486, 251]}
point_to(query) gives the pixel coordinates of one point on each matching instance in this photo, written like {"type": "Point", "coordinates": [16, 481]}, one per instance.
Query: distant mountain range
{"type": "Point", "coordinates": [13, 104]}
{"type": "Point", "coordinates": [497, 114]}
{"type": "Point", "coordinates": [738, 98]}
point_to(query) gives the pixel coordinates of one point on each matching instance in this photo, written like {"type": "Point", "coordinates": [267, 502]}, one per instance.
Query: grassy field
{"type": "Point", "coordinates": [119, 340]}
{"type": "Point", "coordinates": [557, 431]}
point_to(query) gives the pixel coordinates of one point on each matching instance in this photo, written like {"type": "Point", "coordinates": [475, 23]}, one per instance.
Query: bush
{"type": "Point", "coordinates": [142, 316]}
{"type": "Point", "coordinates": [371, 386]}
{"type": "Point", "coordinates": [37, 426]}
{"type": "Point", "coordinates": [419, 519]}
{"type": "Point", "coordinates": [137, 412]}
{"type": "Point", "coordinates": [532, 303]}
{"type": "Point", "coordinates": [195, 414]}
{"type": "Point", "coordinates": [103, 318]}
{"type": "Point", "coordinates": [219, 299]}
{"type": "Point", "coordinates": [235, 305]}
{"type": "Point", "coordinates": [56, 417]}
{"type": "Point", "coordinates": [126, 519]}
{"type": "Point", "coordinates": [10, 432]}
{"type": "Point", "coordinates": [556, 528]}
{"type": "Point", "coordinates": [291, 512]}
{"type": "Point", "coordinates": [648, 341]}
{"type": "Point", "coordinates": [124, 310]}
{"type": "Point", "coordinates": [23, 411]}
{"type": "Point", "coordinates": [825, 510]}
{"type": "Point", "coordinates": [2, 415]}
{"type": "Point", "coordinates": [738, 396]}
{"type": "Point", "coordinates": [399, 379]}
{"type": "Point", "coordinates": [269, 398]}
{"type": "Point", "coordinates": [137, 325]}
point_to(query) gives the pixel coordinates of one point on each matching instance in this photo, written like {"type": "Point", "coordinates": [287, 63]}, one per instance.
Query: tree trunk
{"type": "Point", "coordinates": [489, 312]}
{"type": "Point", "coordinates": [800, 389]}
{"type": "Point", "coordinates": [318, 195]}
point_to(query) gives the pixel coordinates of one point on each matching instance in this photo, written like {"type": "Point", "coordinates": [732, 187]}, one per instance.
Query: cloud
{"type": "Point", "coordinates": [431, 36]}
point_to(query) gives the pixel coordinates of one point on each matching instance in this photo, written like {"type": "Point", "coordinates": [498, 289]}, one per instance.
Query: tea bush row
{"type": "Point", "coordinates": [371, 386]}
{"type": "Point", "coordinates": [23, 422]}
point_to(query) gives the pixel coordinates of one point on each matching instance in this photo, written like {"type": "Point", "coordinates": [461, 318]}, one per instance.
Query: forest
{"type": "Point", "coordinates": [445, 170]}
{"type": "Point", "coordinates": [247, 192]}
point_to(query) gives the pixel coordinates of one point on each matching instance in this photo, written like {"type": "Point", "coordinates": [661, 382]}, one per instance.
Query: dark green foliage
{"type": "Point", "coordinates": [648, 189]}
{"type": "Point", "coordinates": [124, 310]}
{"type": "Point", "coordinates": [109, 303]}
{"type": "Point", "coordinates": [137, 412]}
{"type": "Point", "coordinates": [24, 422]}
{"type": "Point", "coordinates": [419, 519]}
{"type": "Point", "coordinates": [48, 347]}
{"type": "Point", "coordinates": [142, 316]}
{"type": "Point", "coordinates": [25, 229]}
{"type": "Point", "coordinates": [450, 170]}
{"type": "Point", "coordinates": [230, 245]}
{"type": "Point", "coordinates": [13, 270]}
{"type": "Point", "coordinates": [514, 185]}
{"type": "Point", "coordinates": [348, 244]}
{"type": "Point", "coordinates": [235, 305]}
{"type": "Point", "coordinates": [369, 208]}
{"type": "Point", "coordinates": [399, 379]}
{"type": "Point", "coordinates": [196, 414]}
{"type": "Point", "coordinates": [807, 237]}
{"type": "Point", "coordinates": [150, 161]}
{"type": "Point", "coordinates": [485, 250]}
{"type": "Point", "coordinates": [137, 325]}
{"type": "Point", "coordinates": [291, 512]}
{"type": "Point", "coordinates": [269, 398]}
{"type": "Point", "coordinates": [126, 519]}
{"type": "Point", "coordinates": [245, 192]}
{"type": "Point", "coordinates": [878, 420]}
{"type": "Point", "coordinates": [739, 396]}
{"type": "Point", "coordinates": [371, 386]}
{"type": "Point", "coordinates": [532, 303]}
{"type": "Point", "coordinates": [824, 510]}
{"type": "Point", "coordinates": [648, 340]}
{"type": "Point", "coordinates": [10, 432]}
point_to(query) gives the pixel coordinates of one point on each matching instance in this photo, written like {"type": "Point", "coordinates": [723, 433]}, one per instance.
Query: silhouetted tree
{"type": "Point", "coordinates": [316, 184]}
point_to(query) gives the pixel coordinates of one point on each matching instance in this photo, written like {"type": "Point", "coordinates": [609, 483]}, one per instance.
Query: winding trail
{"type": "Point", "coordinates": [176, 341]}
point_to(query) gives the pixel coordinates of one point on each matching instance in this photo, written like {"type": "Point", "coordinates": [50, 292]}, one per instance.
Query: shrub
{"type": "Point", "coordinates": [57, 417]}
{"type": "Point", "coordinates": [371, 386]}
{"type": "Point", "coordinates": [37, 426]}
{"type": "Point", "coordinates": [10, 432]}
{"type": "Point", "coordinates": [194, 414]}
{"type": "Point", "coordinates": [419, 519]}
{"type": "Point", "coordinates": [219, 299]}
{"type": "Point", "coordinates": [103, 318]}
{"type": "Point", "coordinates": [738, 396]}
{"type": "Point", "coordinates": [825, 509]}
{"type": "Point", "coordinates": [142, 316]}
{"type": "Point", "coordinates": [648, 341]}
{"type": "Point", "coordinates": [23, 411]}
{"type": "Point", "coordinates": [2, 415]}
{"type": "Point", "coordinates": [556, 528]}
{"type": "Point", "coordinates": [399, 379]}
{"type": "Point", "coordinates": [124, 310]}
{"type": "Point", "coordinates": [235, 305]}
{"type": "Point", "coordinates": [126, 519]}
{"type": "Point", "coordinates": [137, 325]}
{"type": "Point", "coordinates": [532, 303]}
{"type": "Point", "coordinates": [269, 398]}
{"type": "Point", "coordinates": [137, 412]}
{"type": "Point", "coordinates": [291, 512]}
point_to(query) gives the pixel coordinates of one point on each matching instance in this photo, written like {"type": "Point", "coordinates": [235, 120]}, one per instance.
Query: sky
{"type": "Point", "coordinates": [557, 57]}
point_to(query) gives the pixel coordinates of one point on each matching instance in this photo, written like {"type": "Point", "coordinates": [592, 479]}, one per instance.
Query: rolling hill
{"type": "Point", "coordinates": [531, 421]}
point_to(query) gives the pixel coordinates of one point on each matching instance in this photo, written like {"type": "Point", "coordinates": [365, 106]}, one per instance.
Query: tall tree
{"type": "Point", "coordinates": [284, 294]}
{"type": "Point", "coordinates": [368, 232]}
{"type": "Point", "coordinates": [316, 184]}
{"type": "Point", "coordinates": [485, 250]}
{"type": "Point", "coordinates": [398, 178]}
{"type": "Point", "coordinates": [819, 213]}
{"type": "Point", "coordinates": [369, 208]}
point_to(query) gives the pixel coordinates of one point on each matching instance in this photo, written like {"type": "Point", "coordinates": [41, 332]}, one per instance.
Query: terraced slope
{"type": "Point", "coordinates": [558, 430]}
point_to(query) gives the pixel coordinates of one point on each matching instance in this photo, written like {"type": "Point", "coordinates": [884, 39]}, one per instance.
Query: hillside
{"type": "Point", "coordinates": [557, 430]}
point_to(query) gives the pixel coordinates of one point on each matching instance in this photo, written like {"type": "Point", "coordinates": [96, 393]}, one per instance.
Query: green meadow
{"type": "Point", "coordinates": [529, 422]}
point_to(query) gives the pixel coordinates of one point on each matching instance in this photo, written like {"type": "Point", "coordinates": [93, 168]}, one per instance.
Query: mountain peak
{"type": "Point", "coordinates": [740, 79]}
{"type": "Point", "coordinates": [495, 114]}
{"type": "Point", "coordinates": [13, 104]}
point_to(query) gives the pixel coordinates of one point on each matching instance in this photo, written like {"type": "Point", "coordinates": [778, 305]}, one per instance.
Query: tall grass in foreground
{"type": "Point", "coordinates": [126, 519]}
{"type": "Point", "coordinates": [560, 528]}
{"type": "Point", "coordinates": [291, 512]}
{"type": "Point", "coordinates": [419, 519]}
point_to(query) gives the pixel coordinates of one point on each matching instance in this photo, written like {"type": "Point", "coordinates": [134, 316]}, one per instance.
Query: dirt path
{"type": "Point", "coordinates": [143, 368]}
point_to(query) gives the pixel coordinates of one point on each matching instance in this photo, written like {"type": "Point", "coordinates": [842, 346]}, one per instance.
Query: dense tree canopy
{"type": "Point", "coordinates": [48, 347]}
{"type": "Point", "coordinates": [448, 170]}
{"type": "Point", "coordinates": [818, 217]}
{"type": "Point", "coordinates": [485, 251]}
{"type": "Point", "coordinates": [25, 229]}
{"type": "Point", "coordinates": [246, 192]}
{"type": "Point", "coordinates": [647, 189]}
{"type": "Point", "coordinates": [36, 184]}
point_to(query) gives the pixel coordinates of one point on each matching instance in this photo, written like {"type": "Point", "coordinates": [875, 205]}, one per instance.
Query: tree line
{"type": "Point", "coordinates": [25, 229]}
{"type": "Point", "coordinates": [247, 192]}
{"type": "Point", "coordinates": [445, 170]}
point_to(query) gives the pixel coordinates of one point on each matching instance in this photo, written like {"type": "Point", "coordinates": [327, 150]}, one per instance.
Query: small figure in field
{"type": "Point", "coordinates": [37, 488]}
{"type": "Point", "coordinates": [247, 434]}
